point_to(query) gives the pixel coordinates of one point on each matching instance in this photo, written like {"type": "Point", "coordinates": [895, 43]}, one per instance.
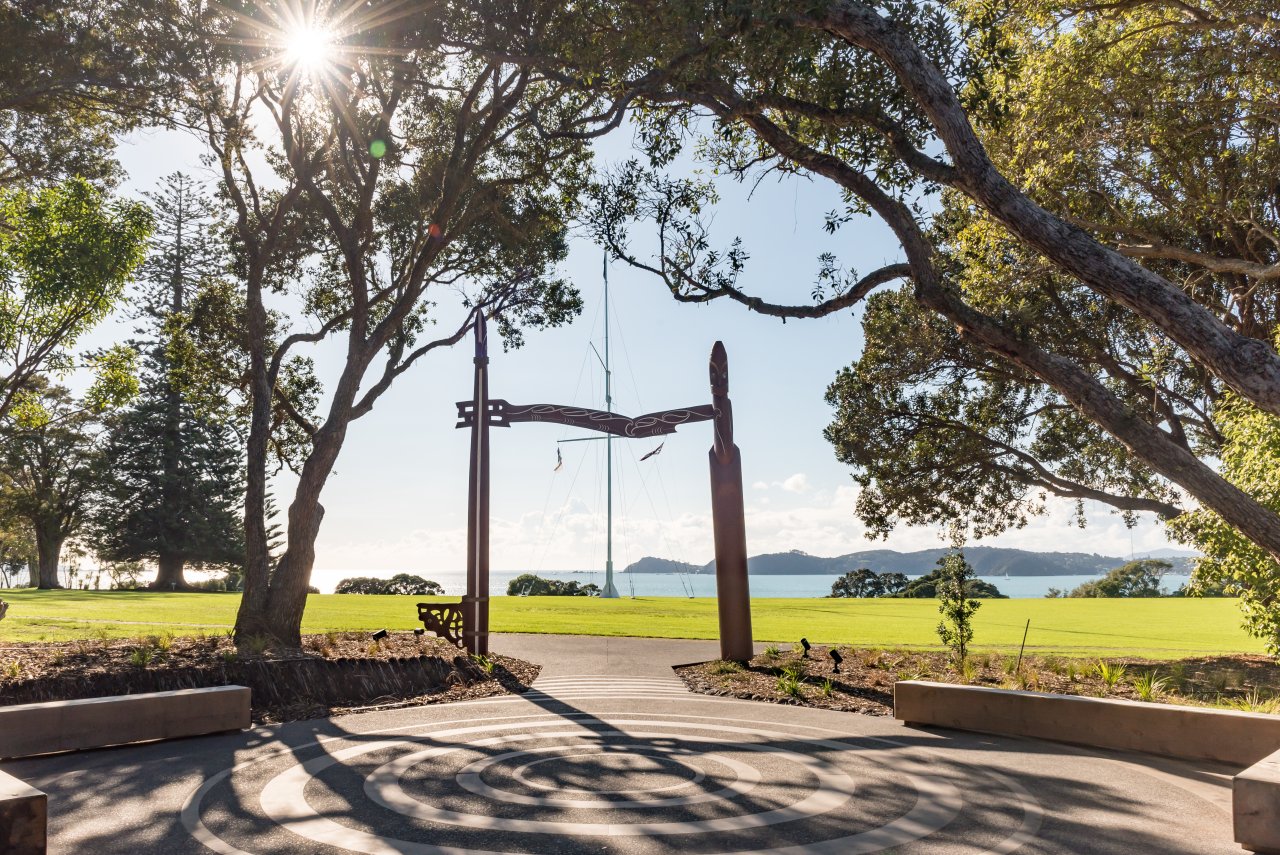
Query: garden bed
{"type": "Point", "coordinates": [332, 673]}
{"type": "Point", "coordinates": [866, 678]}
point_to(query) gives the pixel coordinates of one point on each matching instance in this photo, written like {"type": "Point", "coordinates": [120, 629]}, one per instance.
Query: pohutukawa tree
{"type": "Point", "coordinates": [883, 101]}
{"type": "Point", "coordinates": [71, 75]}
{"type": "Point", "coordinates": [384, 184]}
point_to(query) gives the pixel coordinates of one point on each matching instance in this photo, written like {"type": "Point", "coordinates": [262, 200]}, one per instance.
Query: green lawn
{"type": "Point", "coordinates": [1161, 628]}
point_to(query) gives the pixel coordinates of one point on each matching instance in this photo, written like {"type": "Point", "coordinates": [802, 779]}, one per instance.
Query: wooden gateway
{"type": "Point", "coordinates": [467, 623]}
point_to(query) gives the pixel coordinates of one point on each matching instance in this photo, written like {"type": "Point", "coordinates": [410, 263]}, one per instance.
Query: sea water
{"type": "Point", "coordinates": [704, 584]}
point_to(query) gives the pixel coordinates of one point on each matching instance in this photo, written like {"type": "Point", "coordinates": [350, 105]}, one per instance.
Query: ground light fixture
{"type": "Point", "coordinates": [380, 634]}
{"type": "Point", "coordinates": [836, 659]}
{"type": "Point", "coordinates": [417, 630]}
{"type": "Point", "coordinates": [804, 642]}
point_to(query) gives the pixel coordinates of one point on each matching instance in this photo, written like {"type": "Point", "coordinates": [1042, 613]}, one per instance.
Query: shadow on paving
{"type": "Point", "coordinates": [127, 800]}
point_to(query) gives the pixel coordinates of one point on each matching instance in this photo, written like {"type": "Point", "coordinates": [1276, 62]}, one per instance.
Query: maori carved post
{"type": "Point", "coordinates": [476, 604]}
{"type": "Point", "coordinates": [729, 520]}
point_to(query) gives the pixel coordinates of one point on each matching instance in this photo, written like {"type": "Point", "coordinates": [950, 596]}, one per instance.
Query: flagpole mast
{"type": "Point", "coordinates": [609, 589]}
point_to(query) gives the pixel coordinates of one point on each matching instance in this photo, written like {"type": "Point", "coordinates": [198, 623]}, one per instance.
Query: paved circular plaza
{"type": "Point", "coordinates": [634, 764]}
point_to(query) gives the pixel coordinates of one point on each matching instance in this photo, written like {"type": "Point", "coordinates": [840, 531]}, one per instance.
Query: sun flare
{"type": "Point", "coordinates": [308, 47]}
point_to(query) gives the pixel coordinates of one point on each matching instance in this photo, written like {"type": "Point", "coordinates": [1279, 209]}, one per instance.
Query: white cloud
{"type": "Point", "coordinates": [797, 483]}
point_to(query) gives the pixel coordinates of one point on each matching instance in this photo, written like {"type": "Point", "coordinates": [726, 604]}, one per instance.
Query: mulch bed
{"type": "Point", "coordinates": [865, 681]}
{"type": "Point", "coordinates": [331, 674]}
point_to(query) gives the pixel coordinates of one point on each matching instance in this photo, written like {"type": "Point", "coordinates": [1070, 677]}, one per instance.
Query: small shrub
{"type": "Point", "coordinates": [1109, 673]}
{"type": "Point", "coordinates": [723, 666]}
{"type": "Point", "coordinates": [1010, 666]}
{"type": "Point", "coordinates": [794, 669]}
{"type": "Point", "coordinates": [1149, 686]}
{"type": "Point", "coordinates": [955, 605]}
{"type": "Point", "coordinates": [1072, 673]}
{"type": "Point", "coordinates": [789, 686]}
{"type": "Point", "coordinates": [1178, 675]}
{"type": "Point", "coordinates": [1028, 680]}
{"type": "Point", "coordinates": [968, 670]}
{"type": "Point", "coordinates": [141, 656]}
{"type": "Point", "coordinates": [1254, 701]}
{"type": "Point", "coordinates": [486, 663]}
{"type": "Point", "coordinates": [982, 660]}
{"type": "Point", "coordinates": [14, 669]}
{"type": "Point", "coordinates": [773, 651]}
{"type": "Point", "coordinates": [229, 655]}
{"type": "Point", "coordinates": [826, 689]}
{"type": "Point", "coordinates": [872, 658]}
{"type": "Point", "coordinates": [1053, 665]}
{"type": "Point", "coordinates": [163, 642]}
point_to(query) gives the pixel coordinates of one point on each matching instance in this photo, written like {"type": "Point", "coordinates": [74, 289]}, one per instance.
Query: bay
{"type": "Point", "coordinates": [704, 585]}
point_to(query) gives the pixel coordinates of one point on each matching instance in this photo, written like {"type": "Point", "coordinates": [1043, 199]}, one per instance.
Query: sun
{"type": "Point", "coordinates": [308, 47]}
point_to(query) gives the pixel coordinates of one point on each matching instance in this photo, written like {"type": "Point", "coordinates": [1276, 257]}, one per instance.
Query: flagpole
{"type": "Point", "coordinates": [609, 589]}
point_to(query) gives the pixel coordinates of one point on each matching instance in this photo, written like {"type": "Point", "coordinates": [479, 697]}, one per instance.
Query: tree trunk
{"type": "Point", "coordinates": [288, 594]}
{"type": "Point", "coordinates": [169, 574]}
{"type": "Point", "coordinates": [251, 617]}
{"type": "Point", "coordinates": [48, 550]}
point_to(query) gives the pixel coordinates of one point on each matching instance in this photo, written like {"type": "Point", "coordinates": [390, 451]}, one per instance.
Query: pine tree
{"type": "Point", "coordinates": [176, 479]}
{"type": "Point", "coordinates": [175, 488]}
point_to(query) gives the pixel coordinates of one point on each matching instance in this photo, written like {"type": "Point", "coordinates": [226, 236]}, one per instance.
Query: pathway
{"type": "Point", "coordinates": [608, 753]}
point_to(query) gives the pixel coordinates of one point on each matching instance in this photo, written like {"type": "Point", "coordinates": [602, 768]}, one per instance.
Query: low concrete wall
{"type": "Point", "coordinates": [1192, 733]}
{"type": "Point", "coordinates": [98, 722]}
{"type": "Point", "coordinates": [24, 818]}
{"type": "Point", "coordinates": [1255, 806]}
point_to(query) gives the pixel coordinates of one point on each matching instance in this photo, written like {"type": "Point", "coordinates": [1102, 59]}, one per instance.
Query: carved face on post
{"type": "Point", "coordinates": [719, 371]}
{"type": "Point", "coordinates": [482, 337]}
{"type": "Point", "coordinates": [720, 402]}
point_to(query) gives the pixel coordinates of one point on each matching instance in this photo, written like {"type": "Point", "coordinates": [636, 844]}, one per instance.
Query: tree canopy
{"type": "Point", "coordinates": [405, 188]}
{"type": "Point", "coordinates": [532, 585]}
{"type": "Point", "coordinates": [1140, 578]}
{"type": "Point", "coordinates": [66, 254]}
{"type": "Point", "coordinates": [50, 469]}
{"type": "Point", "coordinates": [400, 583]}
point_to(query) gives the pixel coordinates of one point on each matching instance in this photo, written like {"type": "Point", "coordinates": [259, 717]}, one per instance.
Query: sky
{"type": "Point", "coordinates": [396, 500]}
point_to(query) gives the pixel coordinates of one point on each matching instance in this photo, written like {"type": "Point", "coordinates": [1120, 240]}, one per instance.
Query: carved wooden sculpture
{"type": "Point", "coordinates": [729, 521]}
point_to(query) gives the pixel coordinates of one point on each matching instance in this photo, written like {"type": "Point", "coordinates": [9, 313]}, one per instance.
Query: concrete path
{"type": "Point", "coordinates": [610, 754]}
{"type": "Point", "coordinates": [590, 654]}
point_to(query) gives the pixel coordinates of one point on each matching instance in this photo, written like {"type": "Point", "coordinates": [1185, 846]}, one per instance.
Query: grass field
{"type": "Point", "coordinates": [1158, 628]}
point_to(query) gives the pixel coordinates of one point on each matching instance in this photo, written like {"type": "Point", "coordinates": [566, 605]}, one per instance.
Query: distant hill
{"type": "Point", "coordinates": [986, 560]}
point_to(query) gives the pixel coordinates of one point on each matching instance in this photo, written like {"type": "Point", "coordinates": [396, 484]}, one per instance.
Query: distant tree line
{"type": "Point", "coordinates": [530, 585]}
{"type": "Point", "coordinates": [865, 582]}
{"type": "Point", "coordinates": [1142, 578]}
{"type": "Point", "coordinates": [401, 583]}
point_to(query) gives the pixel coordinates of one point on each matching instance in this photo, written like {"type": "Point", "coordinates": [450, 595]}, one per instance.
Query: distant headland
{"type": "Point", "coordinates": [986, 560]}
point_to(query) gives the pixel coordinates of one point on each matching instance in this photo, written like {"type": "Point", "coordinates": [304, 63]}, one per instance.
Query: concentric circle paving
{"type": "Point", "coordinates": [589, 765]}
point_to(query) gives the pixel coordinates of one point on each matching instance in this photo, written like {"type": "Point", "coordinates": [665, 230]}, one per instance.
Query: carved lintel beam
{"type": "Point", "coordinates": [504, 414]}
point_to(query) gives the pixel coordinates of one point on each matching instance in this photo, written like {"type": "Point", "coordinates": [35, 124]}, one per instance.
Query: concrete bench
{"type": "Point", "coordinates": [1191, 733]}
{"type": "Point", "coordinates": [1255, 806]}
{"type": "Point", "coordinates": [24, 818]}
{"type": "Point", "coordinates": [46, 728]}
